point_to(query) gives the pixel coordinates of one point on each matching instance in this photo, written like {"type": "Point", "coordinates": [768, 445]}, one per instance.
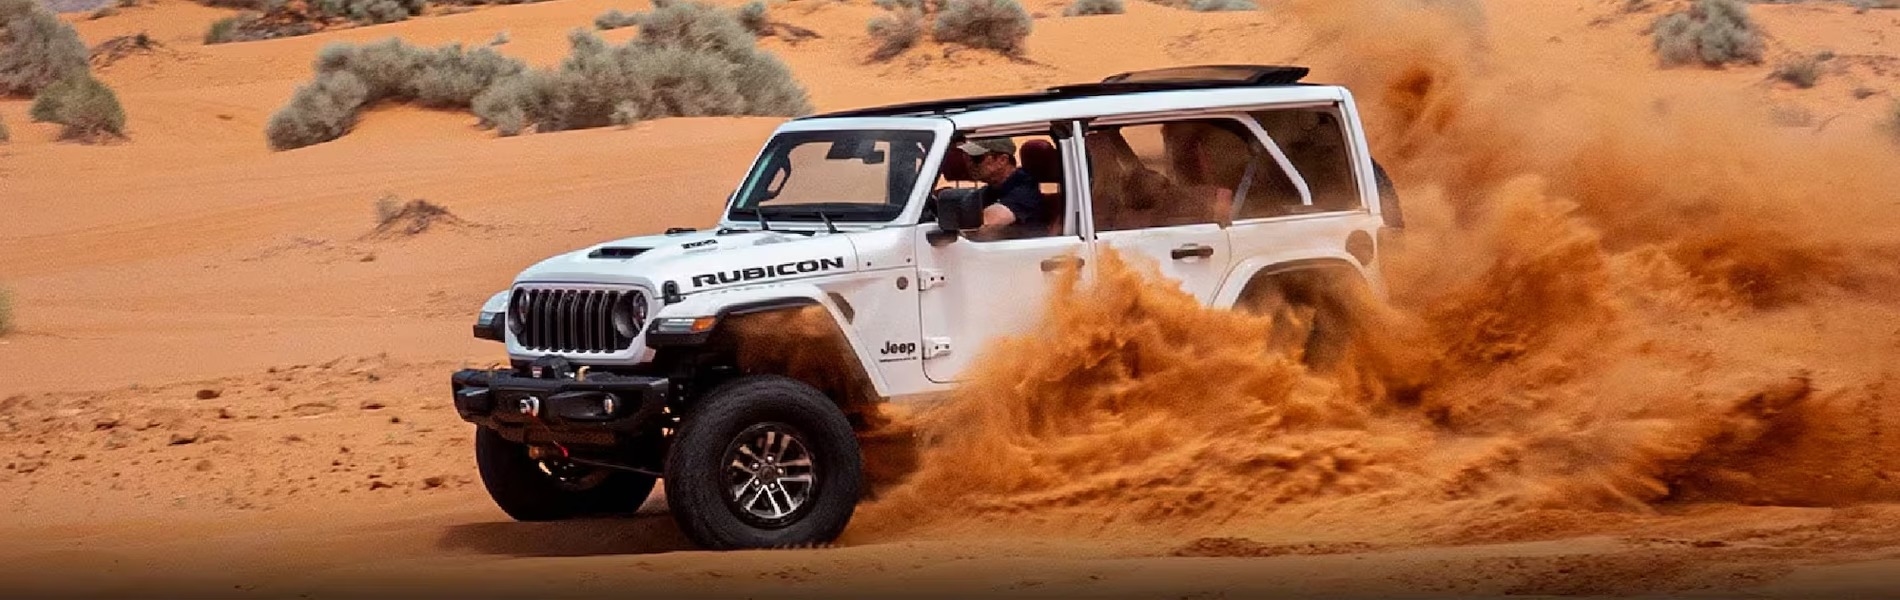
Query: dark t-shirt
{"type": "Point", "coordinates": [1023, 196]}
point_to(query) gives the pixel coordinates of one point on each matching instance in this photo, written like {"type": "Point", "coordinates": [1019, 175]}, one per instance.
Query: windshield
{"type": "Point", "coordinates": [849, 176]}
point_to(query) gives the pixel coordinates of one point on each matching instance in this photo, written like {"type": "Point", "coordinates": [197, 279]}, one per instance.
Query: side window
{"type": "Point", "coordinates": [1023, 172]}
{"type": "Point", "coordinates": [1314, 140]}
{"type": "Point", "coordinates": [1167, 174]}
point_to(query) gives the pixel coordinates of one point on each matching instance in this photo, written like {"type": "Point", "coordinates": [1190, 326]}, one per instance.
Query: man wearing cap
{"type": "Point", "coordinates": [1012, 200]}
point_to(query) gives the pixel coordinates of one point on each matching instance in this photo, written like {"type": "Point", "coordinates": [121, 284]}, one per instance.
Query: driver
{"type": "Point", "coordinates": [1012, 200]}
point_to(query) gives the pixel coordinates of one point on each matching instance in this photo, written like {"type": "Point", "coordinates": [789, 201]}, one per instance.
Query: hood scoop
{"type": "Point", "coordinates": [616, 252]}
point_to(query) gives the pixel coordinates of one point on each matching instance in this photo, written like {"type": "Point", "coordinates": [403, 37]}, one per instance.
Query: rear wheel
{"type": "Point", "coordinates": [1312, 314]}
{"type": "Point", "coordinates": [763, 462]}
{"type": "Point", "coordinates": [544, 490]}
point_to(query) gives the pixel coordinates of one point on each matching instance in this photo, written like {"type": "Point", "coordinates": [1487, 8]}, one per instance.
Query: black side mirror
{"type": "Point", "coordinates": [958, 210]}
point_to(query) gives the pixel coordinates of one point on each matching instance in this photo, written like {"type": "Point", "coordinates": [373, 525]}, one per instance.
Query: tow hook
{"type": "Point", "coordinates": [530, 406]}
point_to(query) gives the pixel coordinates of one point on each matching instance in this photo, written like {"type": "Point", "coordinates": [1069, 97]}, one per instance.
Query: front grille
{"type": "Point", "coordinates": [560, 320]}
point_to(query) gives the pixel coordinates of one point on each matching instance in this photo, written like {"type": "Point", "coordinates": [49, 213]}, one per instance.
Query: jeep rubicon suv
{"type": "Point", "coordinates": [628, 361]}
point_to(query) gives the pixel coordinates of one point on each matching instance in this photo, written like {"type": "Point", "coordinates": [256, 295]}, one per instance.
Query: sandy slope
{"type": "Point", "coordinates": [194, 258]}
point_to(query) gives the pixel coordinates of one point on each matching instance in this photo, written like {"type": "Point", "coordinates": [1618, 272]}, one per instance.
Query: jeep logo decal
{"type": "Point", "coordinates": [766, 272]}
{"type": "Point", "coordinates": [895, 351]}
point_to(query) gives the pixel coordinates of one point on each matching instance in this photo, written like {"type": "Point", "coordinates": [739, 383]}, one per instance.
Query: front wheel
{"type": "Point", "coordinates": [764, 462]}
{"type": "Point", "coordinates": [535, 490]}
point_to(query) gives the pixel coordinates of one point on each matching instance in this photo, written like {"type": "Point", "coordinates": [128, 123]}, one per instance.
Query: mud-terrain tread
{"type": "Point", "coordinates": [693, 468]}
{"type": "Point", "coordinates": [520, 489]}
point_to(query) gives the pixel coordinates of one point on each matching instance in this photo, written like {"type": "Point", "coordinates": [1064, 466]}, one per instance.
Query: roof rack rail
{"type": "Point", "coordinates": [1209, 75]}
{"type": "Point", "coordinates": [1153, 80]}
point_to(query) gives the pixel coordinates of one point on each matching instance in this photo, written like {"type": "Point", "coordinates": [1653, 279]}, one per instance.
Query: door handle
{"type": "Point", "coordinates": [1192, 250]}
{"type": "Point", "coordinates": [1057, 262]}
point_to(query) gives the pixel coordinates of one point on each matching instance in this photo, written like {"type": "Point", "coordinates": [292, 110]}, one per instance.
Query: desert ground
{"type": "Point", "coordinates": [221, 385]}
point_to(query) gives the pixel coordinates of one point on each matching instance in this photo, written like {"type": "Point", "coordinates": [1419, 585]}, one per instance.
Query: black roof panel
{"type": "Point", "coordinates": [1190, 77]}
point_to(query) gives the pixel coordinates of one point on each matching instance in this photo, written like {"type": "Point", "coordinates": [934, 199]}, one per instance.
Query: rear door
{"type": "Point", "coordinates": [1163, 190]}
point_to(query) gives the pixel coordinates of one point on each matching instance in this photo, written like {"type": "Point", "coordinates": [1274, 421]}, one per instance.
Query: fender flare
{"type": "Point", "coordinates": [1245, 273]}
{"type": "Point", "coordinates": [751, 300]}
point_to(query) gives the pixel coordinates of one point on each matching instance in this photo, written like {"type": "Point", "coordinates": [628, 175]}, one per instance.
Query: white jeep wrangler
{"type": "Point", "coordinates": [628, 363]}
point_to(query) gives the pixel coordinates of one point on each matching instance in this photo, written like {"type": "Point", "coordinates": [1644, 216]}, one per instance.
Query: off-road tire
{"type": "Point", "coordinates": [518, 485]}
{"type": "Point", "coordinates": [1324, 302]}
{"type": "Point", "coordinates": [696, 471]}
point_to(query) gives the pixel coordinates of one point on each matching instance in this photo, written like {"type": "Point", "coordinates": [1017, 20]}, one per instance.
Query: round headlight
{"type": "Point", "coordinates": [630, 314]}
{"type": "Point", "coordinates": [517, 314]}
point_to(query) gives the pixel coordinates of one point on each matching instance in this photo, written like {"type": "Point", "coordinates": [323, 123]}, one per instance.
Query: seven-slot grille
{"type": "Point", "coordinates": [558, 320]}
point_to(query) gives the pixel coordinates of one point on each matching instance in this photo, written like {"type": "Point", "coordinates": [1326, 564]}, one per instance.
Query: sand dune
{"type": "Point", "coordinates": [191, 257]}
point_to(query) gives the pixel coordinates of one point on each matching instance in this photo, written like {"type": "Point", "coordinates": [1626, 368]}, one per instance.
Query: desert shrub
{"type": "Point", "coordinates": [369, 11]}
{"type": "Point", "coordinates": [237, 4]}
{"type": "Point", "coordinates": [690, 59]}
{"type": "Point", "coordinates": [1220, 5]}
{"type": "Point", "coordinates": [87, 108]}
{"type": "Point", "coordinates": [225, 30]}
{"type": "Point", "coordinates": [1714, 32]}
{"type": "Point", "coordinates": [103, 12]}
{"type": "Point", "coordinates": [6, 311]}
{"type": "Point", "coordinates": [614, 19]}
{"type": "Point", "coordinates": [350, 77]}
{"type": "Point", "coordinates": [1893, 120]}
{"type": "Point", "coordinates": [501, 37]}
{"type": "Point", "coordinates": [752, 16]}
{"type": "Point", "coordinates": [1000, 25]}
{"type": "Point", "coordinates": [895, 32]}
{"type": "Point", "coordinates": [1802, 72]}
{"type": "Point", "coordinates": [5, 136]}
{"type": "Point", "coordinates": [1094, 7]}
{"type": "Point", "coordinates": [36, 48]}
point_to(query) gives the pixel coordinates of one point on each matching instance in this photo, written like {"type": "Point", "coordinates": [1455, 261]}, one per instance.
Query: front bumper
{"type": "Point", "coordinates": [598, 409]}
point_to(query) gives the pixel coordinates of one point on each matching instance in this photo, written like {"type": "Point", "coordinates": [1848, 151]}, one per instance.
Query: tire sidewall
{"type": "Point", "coordinates": [696, 487]}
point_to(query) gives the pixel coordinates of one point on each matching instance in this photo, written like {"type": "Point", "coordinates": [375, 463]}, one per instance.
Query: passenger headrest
{"type": "Point", "coordinates": [957, 166]}
{"type": "Point", "coordinates": [1041, 159]}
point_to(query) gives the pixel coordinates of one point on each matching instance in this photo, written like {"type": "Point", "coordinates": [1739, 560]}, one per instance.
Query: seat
{"type": "Point", "coordinates": [1043, 161]}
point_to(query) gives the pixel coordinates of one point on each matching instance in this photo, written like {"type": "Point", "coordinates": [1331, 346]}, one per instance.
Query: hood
{"type": "Point", "coordinates": [700, 261]}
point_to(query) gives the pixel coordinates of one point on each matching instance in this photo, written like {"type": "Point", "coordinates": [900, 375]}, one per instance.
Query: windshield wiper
{"type": "Point", "coordinates": [827, 220]}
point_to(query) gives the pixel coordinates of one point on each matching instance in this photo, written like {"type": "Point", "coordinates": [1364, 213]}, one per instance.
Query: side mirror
{"type": "Point", "coordinates": [958, 210]}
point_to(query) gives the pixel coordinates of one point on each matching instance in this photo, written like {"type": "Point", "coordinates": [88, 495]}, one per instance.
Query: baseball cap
{"type": "Point", "coordinates": [977, 148]}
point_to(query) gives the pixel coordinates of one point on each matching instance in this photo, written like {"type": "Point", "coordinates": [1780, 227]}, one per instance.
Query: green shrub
{"type": "Point", "coordinates": [895, 32]}
{"type": "Point", "coordinates": [350, 77]}
{"type": "Point", "coordinates": [614, 19]}
{"type": "Point", "coordinates": [752, 16]}
{"type": "Point", "coordinates": [36, 48]}
{"type": "Point", "coordinates": [1802, 72]}
{"type": "Point", "coordinates": [225, 30]}
{"type": "Point", "coordinates": [1220, 5]}
{"type": "Point", "coordinates": [87, 108]}
{"type": "Point", "coordinates": [1000, 25]}
{"type": "Point", "coordinates": [1094, 7]}
{"type": "Point", "coordinates": [690, 59]}
{"type": "Point", "coordinates": [1714, 32]}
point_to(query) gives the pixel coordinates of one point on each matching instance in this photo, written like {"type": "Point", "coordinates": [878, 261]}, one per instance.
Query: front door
{"type": "Point", "coordinates": [976, 290]}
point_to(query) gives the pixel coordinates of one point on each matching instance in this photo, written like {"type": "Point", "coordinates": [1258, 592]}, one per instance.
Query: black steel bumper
{"type": "Point", "coordinates": [597, 408]}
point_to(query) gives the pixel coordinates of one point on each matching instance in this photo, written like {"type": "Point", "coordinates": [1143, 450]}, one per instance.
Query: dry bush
{"type": "Point", "coordinates": [36, 48]}
{"type": "Point", "coordinates": [1000, 25]}
{"type": "Point", "coordinates": [895, 32]}
{"type": "Point", "coordinates": [614, 19]}
{"type": "Point", "coordinates": [752, 16]}
{"type": "Point", "coordinates": [1803, 72]}
{"type": "Point", "coordinates": [369, 11]}
{"type": "Point", "coordinates": [1220, 5]}
{"type": "Point", "coordinates": [1083, 8]}
{"type": "Point", "coordinates": [395, 218]}
{"type": "Point", "coordinates": [350, 77]}
{"type": "Point", "coordinates": [6, 311]}
{"type": "Point", "coordinates": [88, 109]}
{"type": "Point", "coordinates": [1713, 32]}
{"type": "Point", "coordinates": [690, 59]}
{"type": "Point", "coordinates": [5, 136]}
